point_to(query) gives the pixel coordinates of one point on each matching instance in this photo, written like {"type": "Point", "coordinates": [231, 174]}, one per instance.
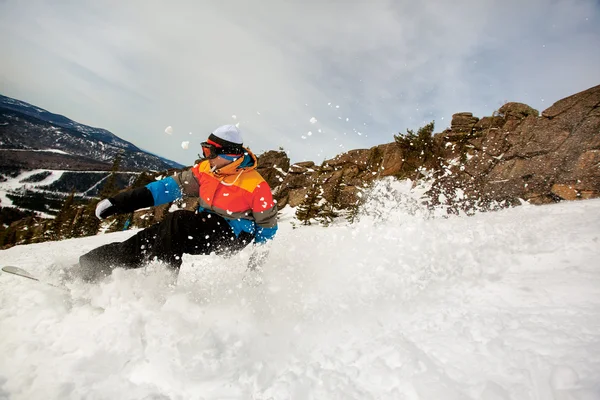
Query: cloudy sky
{"type": "Point", "coordinates": [363, 70]}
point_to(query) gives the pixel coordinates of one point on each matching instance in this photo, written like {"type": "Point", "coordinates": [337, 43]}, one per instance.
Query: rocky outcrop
{"type": "Point", "coordinates": [351, 172]}
{"type": "Point", "coordinates": [514, 154]}
{"type": "Point", "coordinates": [521, 154]}
{"type": "Point", "coordinates": [272, 166]}
{"type": "Point", "coordinates": [463, 122]}
{"type": "Point", "coordinates": [517, 111]}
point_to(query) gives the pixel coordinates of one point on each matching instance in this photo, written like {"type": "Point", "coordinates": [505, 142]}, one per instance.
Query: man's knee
{"type": "Point", "coordinates": [177, 217]}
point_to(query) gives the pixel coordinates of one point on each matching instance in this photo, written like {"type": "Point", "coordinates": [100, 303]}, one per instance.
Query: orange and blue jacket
{"type": "Point", "coordinates": [236, 192]}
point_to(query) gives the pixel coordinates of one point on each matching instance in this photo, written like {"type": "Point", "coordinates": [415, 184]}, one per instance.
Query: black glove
{"type": "Point", "coordinates": [105, 209]}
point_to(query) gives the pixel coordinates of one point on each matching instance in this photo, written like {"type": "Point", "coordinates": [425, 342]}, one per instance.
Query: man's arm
{"type": "Point", "coordinates": [153, 194]}
{"type": "Point", "coordinates": [125, 202]}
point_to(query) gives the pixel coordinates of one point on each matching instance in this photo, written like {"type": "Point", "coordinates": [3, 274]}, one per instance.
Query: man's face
{"type": "Point", "coordinates": [218, 162]}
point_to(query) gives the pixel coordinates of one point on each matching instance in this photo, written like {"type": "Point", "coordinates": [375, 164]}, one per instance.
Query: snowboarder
{"type": "Point", "coordinates": [236, 208]}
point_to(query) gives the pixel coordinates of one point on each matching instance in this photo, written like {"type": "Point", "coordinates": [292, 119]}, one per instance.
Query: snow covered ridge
{"type": "Point", "coordinates": [497, 306]}
{"type": "Point", "coordinates": [40, 150]}
{"type": "Point", "coordinates": [24, 126]}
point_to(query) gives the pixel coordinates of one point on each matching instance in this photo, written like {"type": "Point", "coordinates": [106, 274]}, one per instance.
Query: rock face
{"type": "Point", "coordinates": [514, 154]}
{"type": "Point", "coordinates": [463, 122]}
{"type": "Point", "coordinates": [538, 158]}
{"type": "Point", "coordinates": [272, 165]}
{"type": "Point", "coordinates": [350, 172]}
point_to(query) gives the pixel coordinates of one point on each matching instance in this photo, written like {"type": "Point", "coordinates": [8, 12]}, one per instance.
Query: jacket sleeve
{"type": "Point", "coordinates": [132, 200]}
{"type": "Point", "coordinates": [164, 191]}
{"type": "Point", "coordinates": [182, 184]}
{"type": "Point", "coordinates": [264, 211]}
{"type": "Point", "coordinates": [187, 182]}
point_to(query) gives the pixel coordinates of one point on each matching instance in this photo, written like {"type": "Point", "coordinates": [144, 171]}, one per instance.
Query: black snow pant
{"type": "Point", "coordinates": [179, 232]}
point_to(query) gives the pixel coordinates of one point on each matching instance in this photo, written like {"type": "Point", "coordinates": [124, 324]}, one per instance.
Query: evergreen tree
{"type": "Point", "coordinates": [353, 212]}
{"type": "Point", "coordinates": [77, 228]}
{"type": "Point", "coordinates": [29, 230]}
{"type": "Point", "coordinates": [86, 223]}
{"type": "Point", "coordinates": [9, 237]}
{"type": "Point", "coordinates": [309, 208]}
{"type": "Point", "coordinates": [142, 179]}
{"type": "Point", "coordinates": [419, 144]}
{"type": "Point", "coordinates": [331, 209]}
{"type": "Point", "coordinates": [61, 227]}
{"type": "Point", "coordinates": [110, 188]}
{"type": "Point", "coordinates": [375, 160]}
{"type": "Point", "coordinates": [418, 148]}
{"type": "Point", "coordinates": [89, 223]}
{"type": "Point", "coordinates": [355, 209]}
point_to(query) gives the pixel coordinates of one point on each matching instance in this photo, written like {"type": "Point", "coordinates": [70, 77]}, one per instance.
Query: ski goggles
{"type": "Point", "coordinates": [211, 151]}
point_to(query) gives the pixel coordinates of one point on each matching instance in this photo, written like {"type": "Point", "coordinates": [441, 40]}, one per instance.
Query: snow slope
{"type": "Point", "coordinates": [16, 184]}
{"type": "Point", "coordinates": [496, 306]}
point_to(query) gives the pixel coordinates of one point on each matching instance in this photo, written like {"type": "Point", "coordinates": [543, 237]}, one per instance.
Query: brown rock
{"type": "Point", "coordinates": [588, 160]}
{"type": "Point", "coordinates": [565, 192]}
{"type": "Point", "coordinates": [305, 164]}
{"type": "Point", "coordinates": [457, 136]}
{"type": "Point", "coordinates": [358, 158]}
{"type": "Point", "coordinates": [295, 181]}
{"type": "Point", "coordinates": [296, 196]}
{"type": "Point", "coordinates": [588, 99]}
{"type": "Point", "coordinates": [301, 167]}
{"type": "Point", "coordinates": [517, 110]}
{"type": "Point", "coordinates": [393, 159]}
{"type": "Point", "coordinates": [463, 122]}
{"type": "Point", "coordinates": [274, 159]}
{"type": "Point", "coordinates": [540, 199]}
{"type": "Point", "coordinates": [589, 194]}
{"type": "Point", "coordinates": [486, 123]}
{"type": "Point", "coordinates": [273, 166]}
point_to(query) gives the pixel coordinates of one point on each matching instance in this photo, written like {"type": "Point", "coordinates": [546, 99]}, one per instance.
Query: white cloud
{"type": "Point", "coordinates": [134, 67]}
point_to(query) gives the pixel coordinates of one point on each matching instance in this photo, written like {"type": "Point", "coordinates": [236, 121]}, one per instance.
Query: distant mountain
{"type": "Point", "coordinates": [27, 131]}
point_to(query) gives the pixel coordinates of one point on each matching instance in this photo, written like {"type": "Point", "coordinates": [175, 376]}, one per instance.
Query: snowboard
{"type": "Point", "coordinates": [21, 272]}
